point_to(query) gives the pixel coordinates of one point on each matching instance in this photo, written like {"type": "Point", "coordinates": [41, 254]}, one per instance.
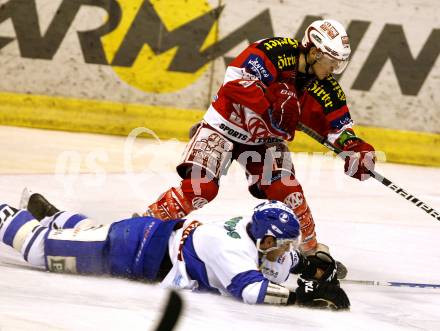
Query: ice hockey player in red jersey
{"type": "Point", "coordinates": [268, 88]}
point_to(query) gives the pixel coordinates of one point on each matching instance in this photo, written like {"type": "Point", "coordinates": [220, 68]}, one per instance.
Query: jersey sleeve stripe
{"type": "Point", "coordinates": [240, 281]}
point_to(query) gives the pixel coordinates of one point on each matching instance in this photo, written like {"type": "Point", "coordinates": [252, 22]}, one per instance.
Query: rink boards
{"type": "Point", "coordinates": [172, 123]}
{"type": "Point", "coordinates": [116, 65]}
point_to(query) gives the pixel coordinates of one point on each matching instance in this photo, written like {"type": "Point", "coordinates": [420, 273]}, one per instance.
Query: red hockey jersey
{"type": "Point", "coordinates": [239, 110]}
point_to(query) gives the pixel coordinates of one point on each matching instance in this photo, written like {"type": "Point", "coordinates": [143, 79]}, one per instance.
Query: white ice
{"type": "Point", "coordinates": [375, 232]}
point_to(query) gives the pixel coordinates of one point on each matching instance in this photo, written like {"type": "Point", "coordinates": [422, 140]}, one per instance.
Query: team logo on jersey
{"type": "Point", "coordinates": [255, 65]}
{"type": "Point", "coordinates": [257, 128]}
{"type": "Point", "coordinates": [230, 227]}
{"type": "Point", "coordinates": [246, 83]}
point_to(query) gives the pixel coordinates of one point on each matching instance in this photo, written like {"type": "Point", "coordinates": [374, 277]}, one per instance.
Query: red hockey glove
{"type": "Point", "coordinates": [285, 109]}
{"type": "Point", "coordinates": [359, 159]}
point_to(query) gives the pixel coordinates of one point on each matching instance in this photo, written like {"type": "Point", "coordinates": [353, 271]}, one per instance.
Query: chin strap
{"type": "Point", "coordinates": [308, 66]}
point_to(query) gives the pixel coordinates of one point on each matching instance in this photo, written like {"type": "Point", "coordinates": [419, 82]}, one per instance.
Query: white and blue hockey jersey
{"type": "Point", "coordinates": [217, 257]}
{"type": "Point", "coordinates": [221, 257]}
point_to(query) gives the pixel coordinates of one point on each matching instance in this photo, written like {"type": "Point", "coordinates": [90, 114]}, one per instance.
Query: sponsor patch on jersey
{"type": "Point", "coordinates": [341, 121]}
{"type": "Point", "coordinates": [328, 93]}
{"type": "Point", "coordinates": [295, 258]}
{"type": "Point", "coordinates": [279, 42]}
{"type": "Point", "coordinates": [294, 200]}
{"type": "Point", "coordinates": [233, 133]}
{"type": "Point", "coordinates": [255, 65]}
{"type": "Point", "coordinates": [281, 259]}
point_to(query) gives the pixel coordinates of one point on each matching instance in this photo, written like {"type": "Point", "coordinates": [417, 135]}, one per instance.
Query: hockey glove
{"type": "Point", "coordinates": [314, 294]}
{"type": "Point", "coordinates": [359, 159]}
{"type": "Point", "coordinates": [320, 266]}
{"type": "Point", "coordinates": [285, 109]}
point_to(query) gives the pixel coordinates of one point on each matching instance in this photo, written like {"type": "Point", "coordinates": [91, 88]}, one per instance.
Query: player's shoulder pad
{"type": "Point", "coordinates": [282, 52]}
{"type": "Point", "coordinates": [278, 43]}
{"type": "Point", "coordinates": [328, 93]}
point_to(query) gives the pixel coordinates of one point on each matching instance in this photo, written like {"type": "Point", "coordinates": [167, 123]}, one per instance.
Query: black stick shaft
{"type": "Point", "coordinates": [385, 181]}
{"type": "Point", "coordinates": [172, 312]}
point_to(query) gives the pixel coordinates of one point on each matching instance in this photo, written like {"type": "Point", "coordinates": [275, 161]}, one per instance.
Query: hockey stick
{"type": "Point", "coordinates": [386, 283]}
{"type": "Point", "coordinates": [385, 181]}
{"type": "Point", "coordinates": [172, 312]}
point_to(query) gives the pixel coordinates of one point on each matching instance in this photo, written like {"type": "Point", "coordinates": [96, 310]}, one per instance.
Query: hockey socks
{"type": "Point", "coordinates": [15, 226]}
{"type": "Point", "coordinates": [20, 230]}
{"type": "Point", "coordinates": [65, 220]}
{"type": "Point", "coordinates": [290, 192]}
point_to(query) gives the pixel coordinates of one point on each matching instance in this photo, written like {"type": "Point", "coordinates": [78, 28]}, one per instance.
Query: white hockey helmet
{"type": "Point", "coordinates": [330, 37]}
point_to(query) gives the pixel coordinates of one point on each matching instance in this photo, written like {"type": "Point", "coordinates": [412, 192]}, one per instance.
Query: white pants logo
{"type": "Point", "coordinates": [294, 200]}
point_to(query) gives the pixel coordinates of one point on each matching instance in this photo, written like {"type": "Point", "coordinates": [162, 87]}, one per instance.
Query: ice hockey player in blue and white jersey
{"type": "Point", "coordinates": [253, 255]}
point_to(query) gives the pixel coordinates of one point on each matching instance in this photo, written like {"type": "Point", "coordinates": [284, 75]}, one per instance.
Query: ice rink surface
{"type": "Point", "coordinates": [376, 233]}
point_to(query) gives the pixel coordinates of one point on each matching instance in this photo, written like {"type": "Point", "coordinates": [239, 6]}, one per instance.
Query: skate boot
{"type": "Point", "coordinates": [39, 207]}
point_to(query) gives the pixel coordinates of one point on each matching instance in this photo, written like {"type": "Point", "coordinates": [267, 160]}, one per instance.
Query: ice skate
{"type": "Point", "coordinates": [39, 207]}
{"type": "Point", "coordinates": [341, 270]}
{"type": "Point", "coordinates": [24, 199]}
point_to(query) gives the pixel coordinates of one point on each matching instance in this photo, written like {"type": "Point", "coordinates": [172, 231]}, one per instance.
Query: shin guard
{"type": "Point", "coordinates": [178, 202]}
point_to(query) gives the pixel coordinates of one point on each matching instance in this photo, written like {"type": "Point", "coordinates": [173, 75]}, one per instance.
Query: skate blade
{"type": "Point", "coordinates": [24, 199]}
